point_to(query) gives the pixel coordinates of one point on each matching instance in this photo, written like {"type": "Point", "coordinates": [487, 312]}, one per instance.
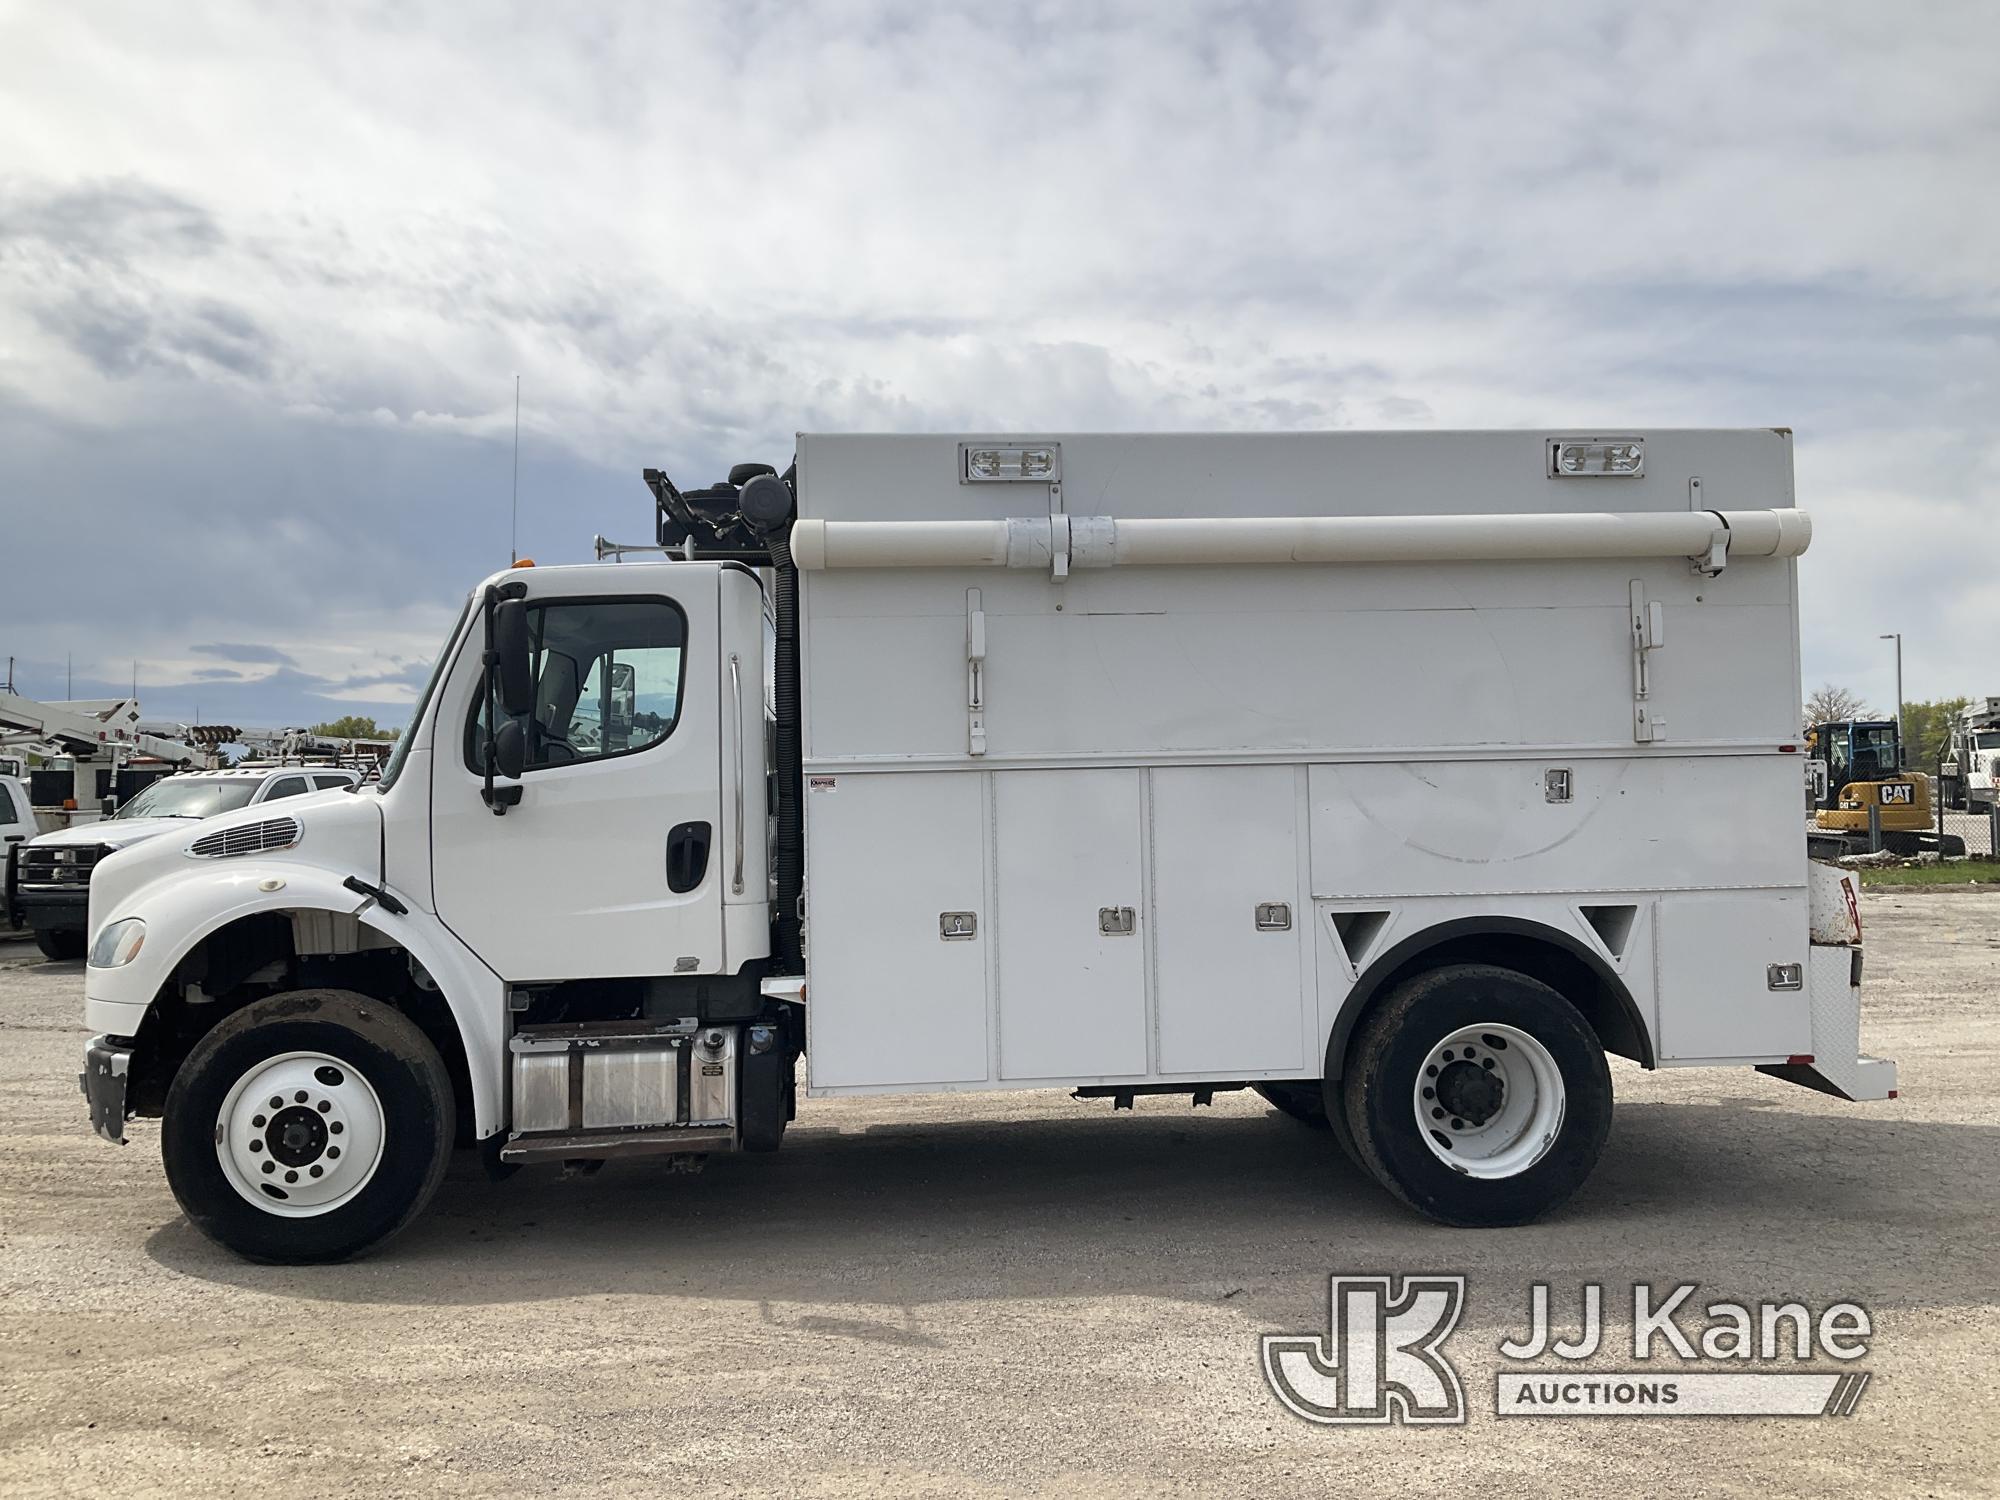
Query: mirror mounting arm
{"type": "Point", "coordinates": [489, 659]}
{"type": "Point", "coordinates": [491, 667]}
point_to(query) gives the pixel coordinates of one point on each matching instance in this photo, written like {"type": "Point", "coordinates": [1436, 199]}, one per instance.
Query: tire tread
{"type": "Point", "coordinates": [1368, 1073]}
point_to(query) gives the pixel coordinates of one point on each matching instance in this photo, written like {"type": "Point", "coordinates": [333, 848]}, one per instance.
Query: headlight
{"type": "Point", "coordinates": [118, 944]}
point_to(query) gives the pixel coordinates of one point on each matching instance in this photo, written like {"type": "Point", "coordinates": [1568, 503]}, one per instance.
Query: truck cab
{"type": "Point", "coordinates": [1971, 766]}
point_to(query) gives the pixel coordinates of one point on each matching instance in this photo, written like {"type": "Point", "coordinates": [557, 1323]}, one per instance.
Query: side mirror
{"type": "Point", "coordinates": [510, 749]}
{"type": "Point", "coordinates": [510, 650]}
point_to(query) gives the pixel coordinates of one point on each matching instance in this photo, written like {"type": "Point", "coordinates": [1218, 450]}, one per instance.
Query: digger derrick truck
{"type": "Point", "coordinates": [1402, 778]}
{"type": "Point", "coordinates": [1970, 770]}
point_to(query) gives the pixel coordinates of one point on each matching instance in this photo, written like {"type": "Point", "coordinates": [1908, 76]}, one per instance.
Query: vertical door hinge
{"type": "Point", "coordinates": [975, 674]}
{"type": "Point", "coordinates": [1649, 633]}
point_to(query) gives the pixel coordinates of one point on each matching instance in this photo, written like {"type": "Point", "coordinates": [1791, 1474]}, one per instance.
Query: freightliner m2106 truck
{"type": "Point", "coordinates": [1399, 777]}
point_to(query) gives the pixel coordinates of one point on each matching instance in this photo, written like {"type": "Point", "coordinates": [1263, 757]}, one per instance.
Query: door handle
{"type": "Point", "coordinates": [687, 856]}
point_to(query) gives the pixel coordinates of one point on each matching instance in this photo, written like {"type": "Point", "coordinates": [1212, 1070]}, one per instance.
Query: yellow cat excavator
{"type": "Point", "coordinates": [1856, 765]}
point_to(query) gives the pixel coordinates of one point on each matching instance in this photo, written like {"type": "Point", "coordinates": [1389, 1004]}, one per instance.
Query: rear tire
{"type": "Point", "coordinates": [309, 1127]}
{"type": "Point", "coordinates": [59, 945]}
{"type": "Point", "coordinates": [1511, 1083]}
{"type": "Point", "coordinates": [1299, 1101]}
{"type": "Point", "coordinates": [1334, 1097]}
{"type": "Point", "coordinates": [1315, 1105]}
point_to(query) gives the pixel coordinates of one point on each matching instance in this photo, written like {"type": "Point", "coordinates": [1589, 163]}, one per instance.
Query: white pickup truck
{"type": "Point", "coordinates": [48, 877]}
{"type": "Point", "coordinates": [17, 823]}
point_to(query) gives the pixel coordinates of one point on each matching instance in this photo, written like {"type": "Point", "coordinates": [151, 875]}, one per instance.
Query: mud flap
{"type": "Point", "coordinates": [106, 1068]}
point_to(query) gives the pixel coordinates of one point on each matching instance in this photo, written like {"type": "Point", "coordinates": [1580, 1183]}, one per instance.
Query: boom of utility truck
{"type": "Point", "coordinates": [1402, 778]}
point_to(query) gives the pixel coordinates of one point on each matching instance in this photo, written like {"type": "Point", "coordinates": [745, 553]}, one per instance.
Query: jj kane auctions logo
{"type": "Point", "coordinates": [1382, 1357]}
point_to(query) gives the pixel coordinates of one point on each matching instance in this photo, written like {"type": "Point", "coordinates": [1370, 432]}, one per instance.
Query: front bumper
{"type": "Point", "coordinates": [51, 910]}
{"type": "Point", "coordinates": [107, 1065]}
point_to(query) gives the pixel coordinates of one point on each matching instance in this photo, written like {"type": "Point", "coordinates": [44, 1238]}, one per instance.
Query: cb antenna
{"type": "Point", "coordinates": [514, 520]}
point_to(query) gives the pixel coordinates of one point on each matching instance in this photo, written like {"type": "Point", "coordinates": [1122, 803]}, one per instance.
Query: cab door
{"type": "Point", "coordinates": [609, 863]}
{"type": "Point", "coordinates": [17, 819]}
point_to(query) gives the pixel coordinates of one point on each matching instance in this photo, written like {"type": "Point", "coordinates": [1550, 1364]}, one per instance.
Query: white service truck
{"type": "Point", "coordinates": [1971, 766]}
{"type": "Point", "coordinates": [1400, 777]}
{"type": "Point", "coordinates": [17, 826]}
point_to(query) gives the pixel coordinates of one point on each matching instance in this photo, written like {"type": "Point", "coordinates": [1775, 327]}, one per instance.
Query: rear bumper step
{"type": "Point", "coordinates": [1863, 1079]}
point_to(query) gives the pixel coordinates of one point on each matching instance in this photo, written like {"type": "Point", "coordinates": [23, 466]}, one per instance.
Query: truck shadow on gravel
{"type": "Point", "coordinates": [1252, 1210]}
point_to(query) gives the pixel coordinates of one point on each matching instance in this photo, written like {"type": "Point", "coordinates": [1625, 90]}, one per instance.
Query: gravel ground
{"type": "Point", "coordinates": [999, 1294]}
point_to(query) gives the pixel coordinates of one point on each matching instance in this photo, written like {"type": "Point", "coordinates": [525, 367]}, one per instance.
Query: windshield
{"type": "Point", "coordinates": [189, 797]}
{"type": "Point", "coordinates": [401, 753]}
{"type": "Point", "coordinates": [1986, 739]}
{"type": "Point", "coordinates": [1874, 751]}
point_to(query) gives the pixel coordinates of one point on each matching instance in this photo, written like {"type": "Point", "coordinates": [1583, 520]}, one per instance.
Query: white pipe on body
{"type": "Point", "coordinates": [1155, 541]}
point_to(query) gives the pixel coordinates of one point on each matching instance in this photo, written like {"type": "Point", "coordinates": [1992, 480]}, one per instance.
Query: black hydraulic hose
{"type": "Point", "coordinates": [791, 858]}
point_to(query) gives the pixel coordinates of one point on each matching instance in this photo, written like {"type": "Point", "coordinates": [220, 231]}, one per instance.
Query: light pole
{"type": "Point", "coordinates": [1902, 750]}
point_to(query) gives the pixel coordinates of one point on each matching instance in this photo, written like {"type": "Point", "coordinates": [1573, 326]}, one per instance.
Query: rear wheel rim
{"type": "Point", "coordinates": [1489, 1100]}
{"type": "Point", "coordinates": [300, 1134]}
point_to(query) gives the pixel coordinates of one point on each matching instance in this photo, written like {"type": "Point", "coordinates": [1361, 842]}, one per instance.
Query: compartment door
{"type": "Point", "coordinates": [890, 1001]}
{"type": "Point", "coordinates": [1072, 994]}
{"type": "Point", "coordinates": [1226, 842]}
{"type": "Point", "coordinates": [1715, 1000]}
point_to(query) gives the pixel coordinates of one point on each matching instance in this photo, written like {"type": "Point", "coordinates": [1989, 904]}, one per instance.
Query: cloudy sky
{"type": "Point", "coordinates": [267, 273]}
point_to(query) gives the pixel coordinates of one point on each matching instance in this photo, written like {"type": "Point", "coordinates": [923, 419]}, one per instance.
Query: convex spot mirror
{"type": "Point", "coordinates": [510, 649]}
{"type": "Point", "coordinates": [510, 749]}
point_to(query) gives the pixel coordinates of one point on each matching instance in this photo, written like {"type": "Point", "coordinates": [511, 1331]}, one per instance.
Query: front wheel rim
{"type": "Point", "coordinates": [1489, 1100]}
{"type": "Point", "coordinates": [300, 1134]}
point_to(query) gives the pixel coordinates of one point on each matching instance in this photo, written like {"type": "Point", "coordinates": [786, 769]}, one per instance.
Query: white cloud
{"type": "Point", "coordinates": [697, 230]}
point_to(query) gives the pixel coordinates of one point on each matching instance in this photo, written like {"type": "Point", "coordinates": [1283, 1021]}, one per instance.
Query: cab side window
{"type": "Point", "coordinates": [608, 679]}
{"type": "Point", "coordinates": [8, 813]}
{"type": "Point", "coordinates": [324, 782]}
{"type": "Point", "coordinates": [285, 786]}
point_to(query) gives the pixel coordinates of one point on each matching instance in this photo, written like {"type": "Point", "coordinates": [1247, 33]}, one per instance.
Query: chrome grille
{"type": "Point", "coordinates": [60, 864]}
{"type": "Point", "coordinates": [247, 838]}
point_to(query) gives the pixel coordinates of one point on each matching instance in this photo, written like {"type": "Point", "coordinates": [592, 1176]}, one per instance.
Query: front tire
{"type": "Point", "coordinates": [58, 945]}
{"type": "Point", "coordinates": [1478, 1096]}
{"type": "Point", "coordinates": [309, 1127]}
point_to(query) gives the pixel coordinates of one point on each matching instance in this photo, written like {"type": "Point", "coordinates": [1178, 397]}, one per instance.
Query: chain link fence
{"type": "Point", "coordinates": [1967, 813]}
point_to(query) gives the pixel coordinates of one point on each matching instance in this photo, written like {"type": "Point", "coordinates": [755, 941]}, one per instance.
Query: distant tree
{"type": "Point", "coordinates": [356, 727]}
{"type": "Point", "coordinates": [1829, 704]}
{"type": "Point", "coordinates": [1926, 728]}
